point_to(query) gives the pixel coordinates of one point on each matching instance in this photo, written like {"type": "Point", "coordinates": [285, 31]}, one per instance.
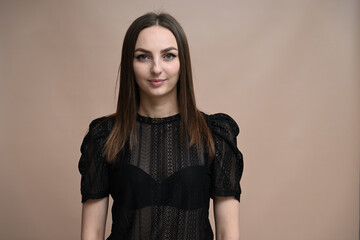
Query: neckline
{"type": "Point", "coordinates": [151, 120]}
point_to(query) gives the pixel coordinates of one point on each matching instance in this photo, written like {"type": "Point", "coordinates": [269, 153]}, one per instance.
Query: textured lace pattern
{"type": "Point", "coordinates": [161, 188]}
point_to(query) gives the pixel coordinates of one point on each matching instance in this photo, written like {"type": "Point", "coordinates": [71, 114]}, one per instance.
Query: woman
{"type": "Point", "coordinates": [159, 157]}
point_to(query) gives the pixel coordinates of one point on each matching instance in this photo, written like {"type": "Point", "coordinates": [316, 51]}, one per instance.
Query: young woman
{"type": "Point", "coordinates": [158, 156]}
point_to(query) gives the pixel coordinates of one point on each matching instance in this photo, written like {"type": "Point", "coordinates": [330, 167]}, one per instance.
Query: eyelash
{"type": "Point", "coordinates": [167, 57]}
{"type": "Point", "coordinates": [141, 57]}
{"type": "Point", "coordinates": [171, 55]}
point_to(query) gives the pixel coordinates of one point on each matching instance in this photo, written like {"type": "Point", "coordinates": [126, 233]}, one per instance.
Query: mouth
{"type": "Point", "coordinates": [156, 82]}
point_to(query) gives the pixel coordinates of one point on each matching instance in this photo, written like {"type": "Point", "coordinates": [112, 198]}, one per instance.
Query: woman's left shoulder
{"type": "Point", "coordinates": [222, 123]}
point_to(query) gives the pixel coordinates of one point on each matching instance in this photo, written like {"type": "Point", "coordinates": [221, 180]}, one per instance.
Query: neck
{"type": "Point", "coordinates": [158, 107]}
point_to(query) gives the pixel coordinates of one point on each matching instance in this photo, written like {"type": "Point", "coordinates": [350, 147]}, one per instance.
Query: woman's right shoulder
{"type": "Point", "coordinates": [101, 126]}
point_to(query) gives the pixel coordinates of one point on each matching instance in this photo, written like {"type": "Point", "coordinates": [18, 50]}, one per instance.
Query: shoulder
{"type": "Point", "coordinates": [99, 129]}
{"type": "Point", "coordinates": [101, 126]}
{"type": "Point", "coordinates": [222, 124]}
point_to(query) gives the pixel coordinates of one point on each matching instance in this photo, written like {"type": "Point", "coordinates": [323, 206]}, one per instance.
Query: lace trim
{"type": "Point", "coordinates": [151, 120]}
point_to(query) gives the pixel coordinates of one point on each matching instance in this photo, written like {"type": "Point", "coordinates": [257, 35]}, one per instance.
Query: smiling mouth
{"type": "Point", "coordinates": [156, 82]}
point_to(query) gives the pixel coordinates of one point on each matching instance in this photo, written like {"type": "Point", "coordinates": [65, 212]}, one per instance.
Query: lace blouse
{"type": "Point", "coordinates": [161, 189]}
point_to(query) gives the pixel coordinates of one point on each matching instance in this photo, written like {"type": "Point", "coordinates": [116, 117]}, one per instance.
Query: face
{"type": "Point", "coordinates": [156, 63]}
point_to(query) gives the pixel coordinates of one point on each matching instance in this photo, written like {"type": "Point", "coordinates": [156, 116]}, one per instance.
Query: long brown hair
{"type": "Point", "coordinates": [193, 123]}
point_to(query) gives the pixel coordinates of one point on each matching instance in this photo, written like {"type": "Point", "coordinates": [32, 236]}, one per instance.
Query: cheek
{"type": "Point", "coordinates": [174, 69]}
{"type": "Point", "coordinates": [139, 70]}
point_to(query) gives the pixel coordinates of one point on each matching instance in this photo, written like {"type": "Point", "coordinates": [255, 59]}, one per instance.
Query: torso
{"type": "Point", "coordinates": [161, 189]}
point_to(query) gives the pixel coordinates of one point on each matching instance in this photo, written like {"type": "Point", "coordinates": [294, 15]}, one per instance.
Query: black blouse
{"type": "Point", "coordinates": [161, 189]}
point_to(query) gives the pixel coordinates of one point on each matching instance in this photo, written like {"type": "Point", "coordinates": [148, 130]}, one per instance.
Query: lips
{"type": "Point", "coordinates": [157, 82]}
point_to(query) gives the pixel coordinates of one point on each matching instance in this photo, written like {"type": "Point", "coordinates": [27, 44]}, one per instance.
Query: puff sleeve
{"type": "Point", "coordinates": [92, 165]}
{"type": "Point", "coordinates": [227, 165]}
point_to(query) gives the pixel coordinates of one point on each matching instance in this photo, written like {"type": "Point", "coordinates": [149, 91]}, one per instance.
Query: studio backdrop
{"type": "Point", "coordinates": [286, 71]}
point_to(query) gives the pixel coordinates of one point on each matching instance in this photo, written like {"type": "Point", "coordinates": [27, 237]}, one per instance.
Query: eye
{"type": "Point", "coordinates": [169, 56]}
{"type": "Point", "coordinates": [142, 57]}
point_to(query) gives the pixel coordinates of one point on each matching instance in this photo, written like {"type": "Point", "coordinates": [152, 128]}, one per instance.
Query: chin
{"type": "Point", "coordinates": [161, 92]}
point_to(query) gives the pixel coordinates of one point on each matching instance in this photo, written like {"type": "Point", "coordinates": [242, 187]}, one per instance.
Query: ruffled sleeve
{"type": "Point", "coordinates": [92, 165]}
{"type": "Point", "coordinates": [227, 165]}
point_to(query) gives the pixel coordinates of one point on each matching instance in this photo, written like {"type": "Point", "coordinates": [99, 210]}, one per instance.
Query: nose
{"type": "Point", "coordinates": [156, 67]}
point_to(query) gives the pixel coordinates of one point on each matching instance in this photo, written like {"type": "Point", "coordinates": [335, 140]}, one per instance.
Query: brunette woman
{"type": "Point", "coordinates": [158, 156]}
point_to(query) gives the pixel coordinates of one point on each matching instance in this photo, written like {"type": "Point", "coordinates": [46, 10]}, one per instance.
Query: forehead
{"type": "Point", "coordinates": [155, 38]}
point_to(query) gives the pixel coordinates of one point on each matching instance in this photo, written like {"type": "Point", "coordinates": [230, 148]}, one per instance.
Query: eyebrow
{"type": "Point", "coordinates": [162, 51]}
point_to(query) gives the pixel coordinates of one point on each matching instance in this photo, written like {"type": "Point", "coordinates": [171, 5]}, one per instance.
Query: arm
{"type": "Point", "coordinates": [93, 219]}
{"type": "Point", "coordinates": [227, 218]}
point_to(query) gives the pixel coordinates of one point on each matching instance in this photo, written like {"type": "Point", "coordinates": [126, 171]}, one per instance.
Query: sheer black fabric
{"type": "Point", "coordinates": [161, 188]}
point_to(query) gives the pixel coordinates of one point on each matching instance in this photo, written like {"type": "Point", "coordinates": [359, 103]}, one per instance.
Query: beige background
{"type": "Point", "coordinates": [286, 71]}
